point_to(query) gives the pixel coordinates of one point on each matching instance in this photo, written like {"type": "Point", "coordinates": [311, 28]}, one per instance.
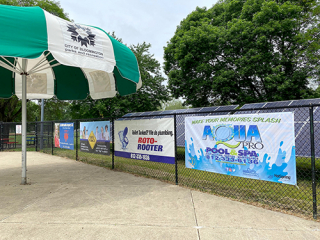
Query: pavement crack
{"type": "Point", "coordinates": [195, 216]}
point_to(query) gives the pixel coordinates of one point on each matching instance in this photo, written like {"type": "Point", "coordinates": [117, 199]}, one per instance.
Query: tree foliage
{"type": "Point", "coordinates": [245, 51]}
{"type": "Point", "coordinates": [55, 109]}
{"type": "Point", "coordinates": [147, 98]}
{"type": "Point", "coordinates": [33, 112]}
{"type": "Point", "coordinates": [10, 109]}
{"type": "Point", "coordinates": [173, 105]}
{"type": "Point", "coordinates": [50, 6]}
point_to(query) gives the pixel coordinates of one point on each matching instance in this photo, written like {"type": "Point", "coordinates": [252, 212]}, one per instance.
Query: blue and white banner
{"type": "Point", "coordinates": [95, 137]}
{"type": "Point", "coordinates": [66, 136]}
{"type": "Point", "coordinates": [148, 140]}
{"type": "Point", "coordinates": [257, 146]}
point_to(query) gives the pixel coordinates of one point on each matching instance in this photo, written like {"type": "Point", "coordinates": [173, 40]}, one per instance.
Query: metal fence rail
{"type": "Point", "coordinates": [300, 199]}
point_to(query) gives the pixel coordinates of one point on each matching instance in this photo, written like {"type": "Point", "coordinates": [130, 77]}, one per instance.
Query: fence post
{"type": "Point", "coordinates": [313, 164]}
{"type": "Point", "coordinates": [113, 146]}
{"type": "Point", "coordinates": [1, 145]}
{"type": "Point", "coordinates": [175, 147]}
{"type": "Point", "coordinates": [36, 133]}
{"type": "Point", "coordinates": [15, 137]}
{"type": "Point", "coordinates": [76, 127]}
{"type": "Point", "coordinates": [52, 128]}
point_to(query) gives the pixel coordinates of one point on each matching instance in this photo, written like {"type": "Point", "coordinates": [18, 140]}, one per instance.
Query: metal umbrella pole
{"type": "Point", "coordinates": [24, 122]}
{"type": "Point", "coordinates": [42, 119]}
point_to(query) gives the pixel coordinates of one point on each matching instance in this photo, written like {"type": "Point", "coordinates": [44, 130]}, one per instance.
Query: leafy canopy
{"type": "Point", "coordinates": [245, 51]}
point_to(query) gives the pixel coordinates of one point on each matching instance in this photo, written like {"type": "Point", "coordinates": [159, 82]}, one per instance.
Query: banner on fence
{"type": "Point", "coordinates": [67, 136]}
{"type": "Point", "coordinates": [95, 137]}
{"type": "Point", "coordinates": [57, 135]}
{"type": "Point", "coordinates": [257, 146]}
{"type": "Point", "coordinates": [148, 140]}
{"type": "Point", "coordinates": [18, 129]}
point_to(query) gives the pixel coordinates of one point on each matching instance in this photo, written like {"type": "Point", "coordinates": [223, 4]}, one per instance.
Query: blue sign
{"type": "Point", "coordinates": [67, 136]}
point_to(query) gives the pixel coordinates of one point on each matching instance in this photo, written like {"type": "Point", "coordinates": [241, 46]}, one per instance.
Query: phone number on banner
{"type": "Point", "coordinates": [145, 157]}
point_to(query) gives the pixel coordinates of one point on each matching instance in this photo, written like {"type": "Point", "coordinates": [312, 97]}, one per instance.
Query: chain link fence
{"type": "Point", "coordinates": [299, 200]}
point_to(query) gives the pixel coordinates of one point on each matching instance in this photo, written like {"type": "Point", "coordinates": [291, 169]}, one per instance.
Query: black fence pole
{"type": "Point", "coordinates": [1, 141]}
{"type": "Point", "coordinates": [52, 145]}
{"type": "Point", "coordinates": [313, 164]}
{"type": "Point", "coordinates": [15, 137]}
{"type": "Point", "coordinates": [175, 147]}
{"type": "Point", "coordinates": [113, 146]}
{"type": "Point", "coordinates": [36, 133]}
{"type": "Point", "coordinates": [76, 127]}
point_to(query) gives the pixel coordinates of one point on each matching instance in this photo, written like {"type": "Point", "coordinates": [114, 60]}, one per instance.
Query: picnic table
{"type": "Point", "coordinates": [9, 143]}
{"type": "Point", "coordinates": [31, 140]}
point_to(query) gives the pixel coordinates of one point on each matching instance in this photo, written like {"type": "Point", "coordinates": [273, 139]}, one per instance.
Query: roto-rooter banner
{"type": "Point", "coordinates": [148, 140]}
{"type": "Point", "coordinates": [257, 146]}
{"type": "Point", "coordinates": [95, 137]}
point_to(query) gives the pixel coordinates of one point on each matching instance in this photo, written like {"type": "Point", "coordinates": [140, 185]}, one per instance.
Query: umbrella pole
{"type": "Point", "coordinates": [24, 123]}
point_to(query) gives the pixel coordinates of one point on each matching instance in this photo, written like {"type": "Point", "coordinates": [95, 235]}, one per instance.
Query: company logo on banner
{"type": "Point", "coordinates": [95, 137]}
{"type": "Point", "coordinates": [148, 140]}
{"type": "Point", "coordinates": [260, 146]}
{"type": "Point", "coordinates": [66, 136]}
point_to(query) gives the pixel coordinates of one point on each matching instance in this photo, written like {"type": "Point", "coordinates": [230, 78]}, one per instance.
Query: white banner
{"type": "Point", "coordinates": [18, 129]}
{"type": "Point", "coordinates": [257, 146]}
{"type": "Point", "coordinates": [149, 140]}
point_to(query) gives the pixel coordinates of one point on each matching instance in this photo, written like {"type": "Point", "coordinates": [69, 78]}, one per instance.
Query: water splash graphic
{"type": "Point", "coordinates": [263, 170]}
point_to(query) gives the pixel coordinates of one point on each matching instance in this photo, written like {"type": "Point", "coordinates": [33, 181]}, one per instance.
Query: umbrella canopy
{"type": "Point", "coordinates": [42, 56]}
{"type": "Point", "coordinates": [65, 59]}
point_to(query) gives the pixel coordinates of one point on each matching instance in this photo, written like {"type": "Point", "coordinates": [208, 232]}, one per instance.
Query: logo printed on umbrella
{"type": "Point", "coordinates": [81, 34]}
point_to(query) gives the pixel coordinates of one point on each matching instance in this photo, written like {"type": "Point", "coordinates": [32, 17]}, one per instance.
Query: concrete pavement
{"type": "Point", "coordinates": [72, 200]}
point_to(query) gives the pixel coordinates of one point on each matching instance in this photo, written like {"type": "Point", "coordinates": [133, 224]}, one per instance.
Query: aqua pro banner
{"type": "Point", "coordinates": [257, 146]}
{"type": "Point", "coordinates": [148, 140]}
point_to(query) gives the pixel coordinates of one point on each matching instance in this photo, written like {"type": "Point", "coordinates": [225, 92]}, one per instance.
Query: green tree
{"type": "Point", "coordinates": [173, 105]}
{"type": "Point", "coordinates": [147, 98]}
{"type": "Point", "coordinates": [243, 52]}
{"type": "Point", "coordinates": [55, 109]}
{"type": "Point", "coordinates": [51, 6]}
{"type": "Point", "coordinates": [10, 109]}
{"type": "Point", "coordinates": [33, 110]}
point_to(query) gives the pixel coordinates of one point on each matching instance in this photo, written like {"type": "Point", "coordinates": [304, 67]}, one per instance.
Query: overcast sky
{"type": "Point", "coordinates": [135, 21]}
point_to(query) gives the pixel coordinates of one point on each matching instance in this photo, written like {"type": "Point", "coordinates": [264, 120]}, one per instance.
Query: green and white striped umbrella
{"type": "Point", "coordinates": [65, 59]}
{"type": "Point", "coordinates": [42, 55]}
